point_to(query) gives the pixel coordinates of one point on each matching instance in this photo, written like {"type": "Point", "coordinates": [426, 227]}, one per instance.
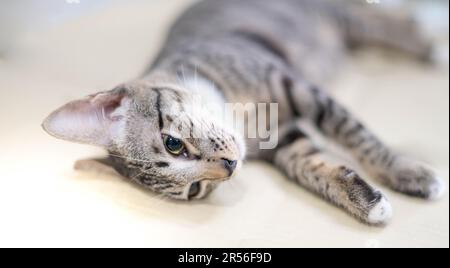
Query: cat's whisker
{"type": "Point", "coordinates": [136, 176]}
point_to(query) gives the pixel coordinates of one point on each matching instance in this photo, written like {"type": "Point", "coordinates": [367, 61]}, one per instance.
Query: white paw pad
{"type": "Point", "coordinates": [437, 189]}
{"type": "Point", "coordinates": [381, 213]}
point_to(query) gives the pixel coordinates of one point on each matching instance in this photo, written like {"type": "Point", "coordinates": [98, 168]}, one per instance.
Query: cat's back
{"type": "Point", "coordinates": [284, 19]}
{"type": "Point", "coordinates": [289, 29]}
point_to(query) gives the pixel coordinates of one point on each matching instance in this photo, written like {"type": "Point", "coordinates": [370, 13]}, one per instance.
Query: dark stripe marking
{"type": "Point", "coordinates": [357, 144]}
{"type": "Point", "coordinates": [354, 130]}
{"type": "Point", "coordinates": [340, 125]}
{"type": "Point", "coordinates": [161, 164]}
{"type": "Point", "coordinates": [156, 149]}
{"type": "Point", "coordinates": [288, 87]}
{"type": "Point", "coordinates": [317, 167]}
{"type": "Point", "coordinates": [158, 108]}
{"type": "Point", "coordinates": [320, 108]}
{"type": "Point", "coordinates": [268, 75]}
{"type": "Point", "coordinates": [264, 43]}
{"type": "Point", "coordinates": [291, 136]}
{"type": "Point", "coordinates": [311, 152]}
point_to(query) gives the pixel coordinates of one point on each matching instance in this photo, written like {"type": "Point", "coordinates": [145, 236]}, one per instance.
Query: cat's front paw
{"type": "Point", "coordinates": [415, 179]}
{"type": "Point", "coordinates": [380, 213]}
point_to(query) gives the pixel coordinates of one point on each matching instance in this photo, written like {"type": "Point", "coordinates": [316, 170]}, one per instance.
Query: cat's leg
{"type": "Point", "coordinates": [366, 25]}
{"type": "Point", "coordinates": [313, 169]}
{"type": "Point", "coordinates": [398, 172]}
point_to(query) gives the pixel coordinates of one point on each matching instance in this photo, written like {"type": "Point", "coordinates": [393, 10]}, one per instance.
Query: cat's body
{"type": "Point", "coordinates": [251, 51]}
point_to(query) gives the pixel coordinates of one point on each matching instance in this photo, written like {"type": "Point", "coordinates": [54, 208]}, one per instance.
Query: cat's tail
{"type": "Point", "coordinates": [368, 24]}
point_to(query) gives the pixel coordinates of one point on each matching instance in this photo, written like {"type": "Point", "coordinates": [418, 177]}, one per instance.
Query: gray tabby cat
{"type": "Point", "coordinates": [251, 51]}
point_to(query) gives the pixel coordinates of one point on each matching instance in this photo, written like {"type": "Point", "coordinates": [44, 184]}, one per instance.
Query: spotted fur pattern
{"type": "Point", "coordinates": [240, 51]}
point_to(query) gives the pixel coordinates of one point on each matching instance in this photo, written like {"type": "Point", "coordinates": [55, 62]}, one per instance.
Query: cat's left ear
{"type": "Point", "coordinates": [97, 119]}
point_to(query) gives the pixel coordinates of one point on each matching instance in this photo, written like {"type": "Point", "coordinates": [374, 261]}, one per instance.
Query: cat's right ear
{"type": "Point", "coordinates": [97, 119]}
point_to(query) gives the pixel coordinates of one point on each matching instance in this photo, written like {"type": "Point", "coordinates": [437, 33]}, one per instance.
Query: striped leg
{"type": "Point", "coordinates": [397, 172]}
{"type": "Point", "coordinates": [305, 164]}
{"type": "Point", "coordinates": [396, 30]}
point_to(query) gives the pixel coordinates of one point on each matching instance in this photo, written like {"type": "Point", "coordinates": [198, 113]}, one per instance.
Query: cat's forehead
{"type": "Point", "coordinates": [167, 108]}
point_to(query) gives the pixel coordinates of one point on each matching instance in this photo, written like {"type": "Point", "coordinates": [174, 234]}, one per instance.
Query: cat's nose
{"type": "Point", "coordinates": [229, 165]}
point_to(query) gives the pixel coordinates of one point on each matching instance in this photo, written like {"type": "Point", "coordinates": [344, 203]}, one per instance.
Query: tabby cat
{"type": "Point", "coordinates": [162, 131]}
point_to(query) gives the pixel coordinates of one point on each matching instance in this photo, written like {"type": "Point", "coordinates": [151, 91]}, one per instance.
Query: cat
{"type": "Point", "coordinates": [251, 51]}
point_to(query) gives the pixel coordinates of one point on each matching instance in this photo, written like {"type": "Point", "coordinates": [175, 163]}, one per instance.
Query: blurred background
{"type": "Point", "coordinates": [53, 51]}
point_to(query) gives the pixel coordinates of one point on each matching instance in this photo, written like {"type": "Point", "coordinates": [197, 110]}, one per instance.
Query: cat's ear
{"type": "Point", "coordinates": [97, 119]}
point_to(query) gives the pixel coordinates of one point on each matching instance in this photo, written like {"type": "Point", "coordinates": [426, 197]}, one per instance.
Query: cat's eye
{"type": "Point", "coordinates": [194, 189]}
{"type": "Point", "coordinates": [173, 145]}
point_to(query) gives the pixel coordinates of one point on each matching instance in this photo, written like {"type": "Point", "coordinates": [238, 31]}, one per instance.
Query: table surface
{"type": "Point", "coordinates": [45, 202]}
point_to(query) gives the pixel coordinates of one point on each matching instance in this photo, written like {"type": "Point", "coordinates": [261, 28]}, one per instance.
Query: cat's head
{"type": "Point", "coordinates": [154, 137]}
